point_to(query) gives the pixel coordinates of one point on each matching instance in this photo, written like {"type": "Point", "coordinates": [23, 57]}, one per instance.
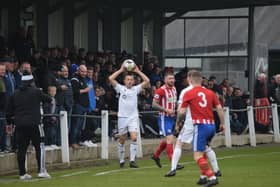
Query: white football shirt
{"type": "Point", "coordinates": [188, 118]}
{"type": "Point", "coordinates": [128, 100]}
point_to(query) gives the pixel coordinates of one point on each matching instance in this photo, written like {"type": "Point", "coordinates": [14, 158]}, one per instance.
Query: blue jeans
{"type": "Point", "coordinates": [2, 132]}
{"type": "Point", "coordinates": [77, 123]}
{"type": "Point", "coordinates": [51, 134]}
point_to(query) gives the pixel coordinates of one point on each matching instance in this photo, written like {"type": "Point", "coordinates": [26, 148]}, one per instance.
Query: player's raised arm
{"type": "Point", "coordinates": [146, 80]}
{"type": "Point", "coordinates": [112, 78]}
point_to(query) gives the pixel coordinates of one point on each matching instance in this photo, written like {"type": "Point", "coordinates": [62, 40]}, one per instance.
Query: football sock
{"type": "Point", "coordinates": [121, 149]}
{"type": "Point", "coordinates": [133, 150]}
{"type": "Point", "coordinates": [176, 157]}
{"type": "Point", "coordinates": [204, 167]}
{"type": "Point", "coordinates": [212, 159]}
{"type": "Point", "coordinates": [169, 151]}
{"type": "Point", "coordinates": [160, 148]}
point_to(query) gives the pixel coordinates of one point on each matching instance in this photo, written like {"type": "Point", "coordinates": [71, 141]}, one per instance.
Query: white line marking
{"type": "Point", "coordinates": [75, 173]}
{"type": "Point", "coordinates": [192, 162]}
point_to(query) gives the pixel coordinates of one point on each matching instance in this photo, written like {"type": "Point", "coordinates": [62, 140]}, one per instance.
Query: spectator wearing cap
{"type": "Point", "coordinates": [24, 66]}
{"type": "Point", "coordinates": [81, 104]}
{"type": "Point", "coordinates": [9, 76]}
{"type": "Point", "coordinates": [3, 100]}
{"type": "Point", "coordinates": [23, 110]}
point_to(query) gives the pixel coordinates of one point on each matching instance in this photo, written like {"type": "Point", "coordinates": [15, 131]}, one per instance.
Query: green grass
{"type": "Point", "coordinates": [241, 167]}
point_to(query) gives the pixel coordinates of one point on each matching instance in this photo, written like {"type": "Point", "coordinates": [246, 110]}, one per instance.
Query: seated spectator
{"type": "Point", "coordinates": [239, 103]}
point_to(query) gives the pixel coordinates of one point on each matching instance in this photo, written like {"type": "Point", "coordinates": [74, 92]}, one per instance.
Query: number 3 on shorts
{"type": "Point", "coordinates": [203, 102]}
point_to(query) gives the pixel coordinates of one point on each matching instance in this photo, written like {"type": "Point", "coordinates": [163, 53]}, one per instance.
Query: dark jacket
{"type": "Point", "coordinates": [79, 83]}
{"type": "Point", "coordinates": [47, 108]}
{"type": "Point", "coordinates": [24, 106]}
{"type": "Point", "coordinates": [64, 98]}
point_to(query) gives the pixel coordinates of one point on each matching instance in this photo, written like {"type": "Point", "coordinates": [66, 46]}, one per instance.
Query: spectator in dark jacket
{"type": "Point", "coordinates": [24, 111]}
{"type": "Point", "coordinates": [2, 108]}
{"type": "Point", "coordinates": [81, 104]}
{"type": "Point", "coordinates": [51, 123]}
{"type": "Point", "coordinates": [9, 76]}
{"type": "Point", "coordinates": [64, 95]}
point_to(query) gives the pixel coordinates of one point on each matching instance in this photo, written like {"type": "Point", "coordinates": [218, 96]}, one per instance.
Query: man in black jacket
{"type": "Point", "coordinates": [81, 104]}
{"type": "Point", "coordinates": [24, 111]}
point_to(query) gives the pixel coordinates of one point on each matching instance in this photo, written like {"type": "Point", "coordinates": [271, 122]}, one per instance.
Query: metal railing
{"type": "Point", "coordinates": [63, 117]}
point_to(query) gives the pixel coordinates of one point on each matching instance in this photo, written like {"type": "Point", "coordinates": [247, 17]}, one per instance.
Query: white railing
{"type": "Point", "coordinates": [105, 129]}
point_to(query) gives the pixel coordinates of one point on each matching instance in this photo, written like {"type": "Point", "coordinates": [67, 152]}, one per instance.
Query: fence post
{"type": "Point", "coordinates": [251, 123]}
{"type": "Point", "coordinates": [104, 134]}
{"type": "Point", "coordinates": [139, 141]}
{"type": "Point", "coordinates": [275, 119]}
{"type": "Point", "coordinates": [64, 137]}
{"type": "Point", "coordinates": [227, 127]}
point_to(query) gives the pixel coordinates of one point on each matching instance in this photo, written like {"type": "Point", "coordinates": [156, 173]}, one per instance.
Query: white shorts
{"type": "Point", "coordinates": [127, 125]}
{"type": "Point", "coordinates": [186, 134]}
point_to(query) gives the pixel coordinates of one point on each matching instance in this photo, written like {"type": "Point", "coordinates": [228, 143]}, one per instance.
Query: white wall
{"type": "Point", "coordinates": [81, 31]}
{"type": "Point", "coordinates": [55, 29]}
{"type": "Point", "coordinates": [127, 35]}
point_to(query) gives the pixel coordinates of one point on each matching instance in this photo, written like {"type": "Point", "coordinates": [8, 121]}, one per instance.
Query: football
{"type": "Point", "coordinates": [129, 64]}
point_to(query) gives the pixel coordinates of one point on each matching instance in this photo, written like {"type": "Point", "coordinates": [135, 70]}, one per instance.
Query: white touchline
{"type": "Point", "coordinates": [7, 181]}
{"type": "Point", "coordinates": [192, 162]}
{"type": "Point", "coordinates": [75, 173]}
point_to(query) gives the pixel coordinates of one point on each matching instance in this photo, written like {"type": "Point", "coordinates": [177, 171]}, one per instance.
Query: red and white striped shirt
{"type": "Point", "coordinates": [167, 97]}
{"type": "Point", "coordinates": [201, 102]}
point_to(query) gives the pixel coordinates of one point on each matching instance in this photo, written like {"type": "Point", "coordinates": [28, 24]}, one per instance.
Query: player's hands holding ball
{"type": "Point", "coordinates": [129, 65]}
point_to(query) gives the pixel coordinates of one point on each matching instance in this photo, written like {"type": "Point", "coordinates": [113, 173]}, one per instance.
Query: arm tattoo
{"type": "Point", "coordinates": [157, 107]}
{"type": "Point", "coordinates": [180, 117]}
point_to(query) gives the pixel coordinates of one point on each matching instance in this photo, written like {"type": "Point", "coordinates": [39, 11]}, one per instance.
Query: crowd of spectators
{"type": "Point", "coordinates": [78, 82]}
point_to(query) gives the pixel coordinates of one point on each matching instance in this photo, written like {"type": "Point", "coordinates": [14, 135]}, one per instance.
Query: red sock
{"type": "Point", "coordinates": [160, 148]}
{"type": "Point", "coordinates": [204, 167]}
{"type": "Point", "coordinates": [169, 151]}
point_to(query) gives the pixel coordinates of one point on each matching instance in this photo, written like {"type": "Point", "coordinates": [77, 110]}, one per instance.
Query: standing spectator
{"type": "Point", "coordinates": [9, 76]}
{"type": "Point", "coordinates": [24, 108]}
{"type": "Point", "coordinates": [180, 78]}
{"type": "Point", "coordinates": [3, 99]}
{"type": "Point", "coordinates": [51, 122]}
{"type": "Point", "coordinates": [88, 131]}
{"type": "Point", "coordinates": [261, 100]}
{"type": "Point", "coordinates": [128, 112]}
{"type": "Point", "coordinates": [81, 104]}
{"type": "Point", "coordinates": [24, 66]}
{"type": "Point", "coordinates": [64, 94]}
{"type": "Point", "coordinates": [274, 91]}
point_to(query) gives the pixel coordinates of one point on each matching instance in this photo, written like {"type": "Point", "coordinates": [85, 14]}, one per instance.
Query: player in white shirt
{"type": "Point", "coordinates": [185, 136]}
{"type": "Point", "coordinates": [128, 117]}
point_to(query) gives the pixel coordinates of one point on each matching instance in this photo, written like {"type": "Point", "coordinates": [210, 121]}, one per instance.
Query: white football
{"type": "Point", "coordinates": [129, 64]}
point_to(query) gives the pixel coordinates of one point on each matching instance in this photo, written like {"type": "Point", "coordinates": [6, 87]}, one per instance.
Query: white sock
{"type": "Point", "coordinates": [121, 149]}
{"type": "Point", "coordinates": [212, 159]}
{"type": "Point", "coordinates": [133, 151]}
{"type": "Point", "coordinates": [176, 157]}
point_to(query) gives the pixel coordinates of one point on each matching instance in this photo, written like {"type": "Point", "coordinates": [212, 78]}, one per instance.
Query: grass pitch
{"type": "Point", "coordinates": [240, 167]}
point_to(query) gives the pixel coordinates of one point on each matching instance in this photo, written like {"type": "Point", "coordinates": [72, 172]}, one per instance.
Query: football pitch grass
{"type": "Point", "coordinates": [240, 167]}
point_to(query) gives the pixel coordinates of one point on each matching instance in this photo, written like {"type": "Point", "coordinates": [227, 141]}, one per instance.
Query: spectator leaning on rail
{"type": "Point", "coordinates": [24, 111]}
{"type": "Point", "coordinates": [81, 104]}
